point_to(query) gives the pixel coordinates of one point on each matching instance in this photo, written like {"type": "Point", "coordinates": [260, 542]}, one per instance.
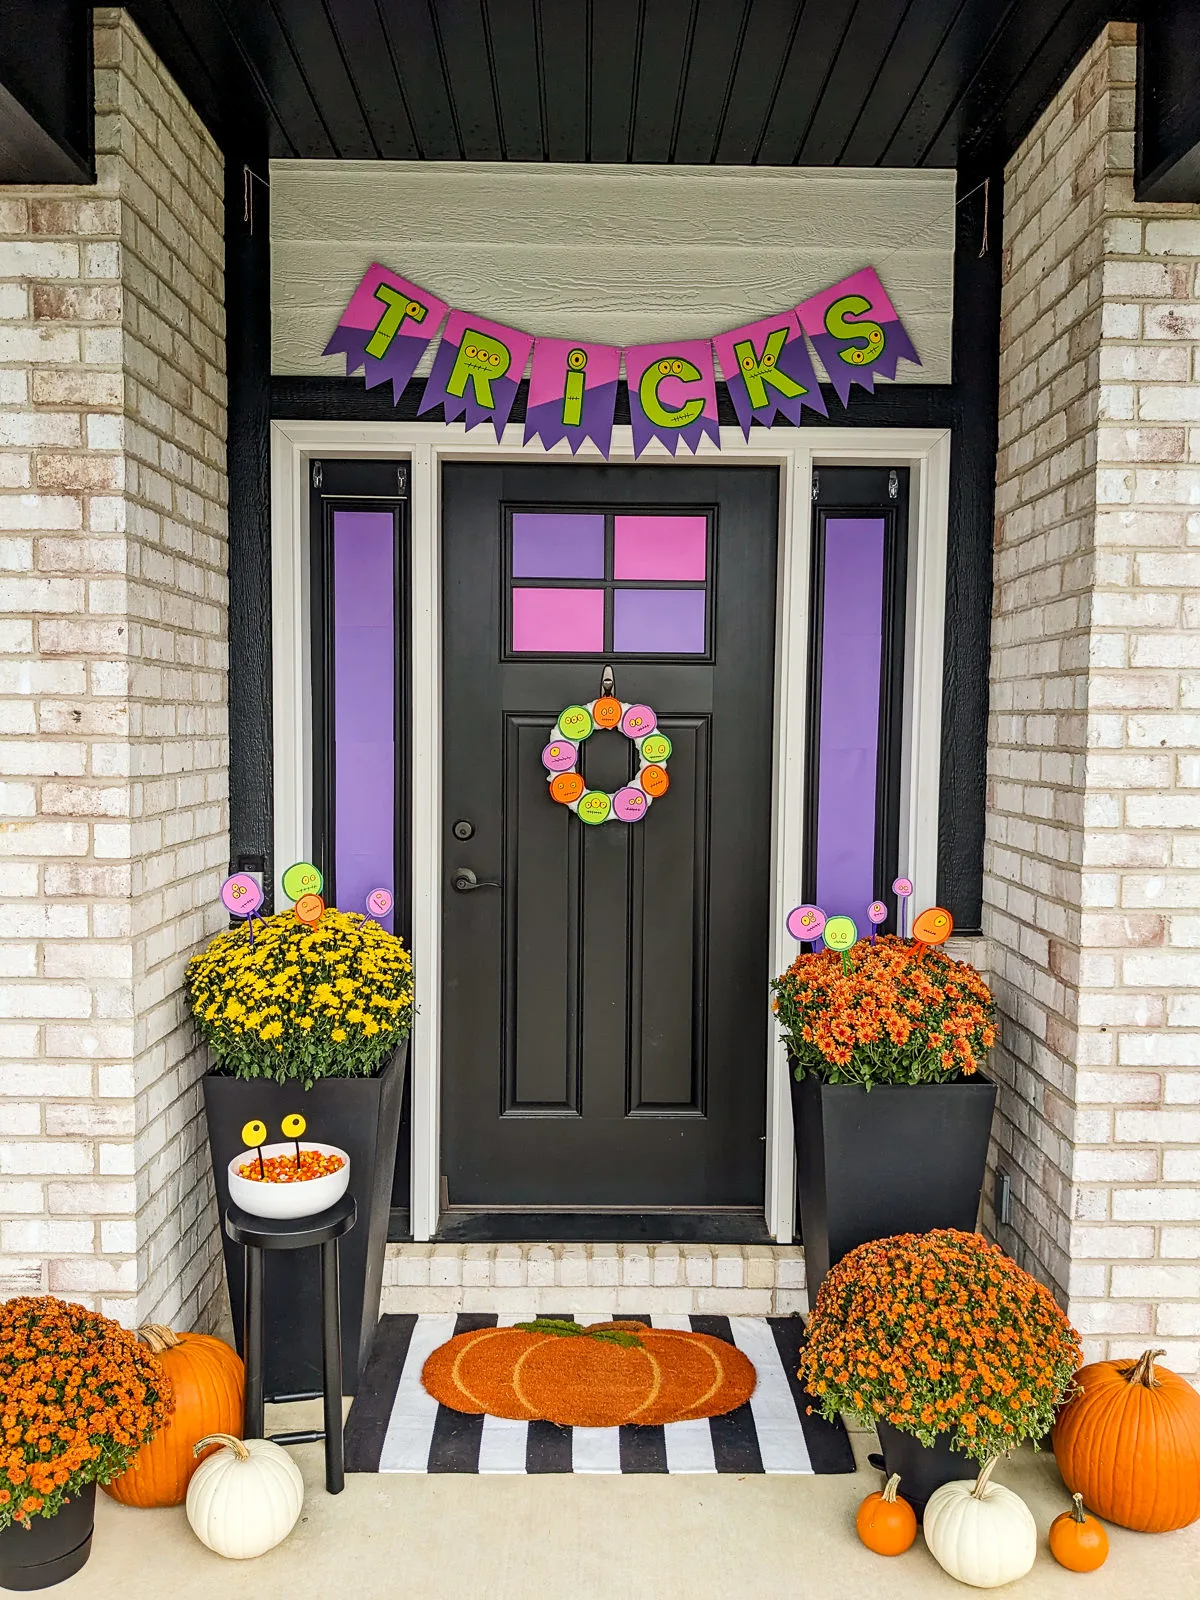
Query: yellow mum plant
{"type": "Point", "coordinates": [331, 1000]}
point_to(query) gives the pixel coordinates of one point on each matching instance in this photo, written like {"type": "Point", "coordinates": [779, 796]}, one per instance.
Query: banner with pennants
{"type": "Point", "coordinates": [767, 365]}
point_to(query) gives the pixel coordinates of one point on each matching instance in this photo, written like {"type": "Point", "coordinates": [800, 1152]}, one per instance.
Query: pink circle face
{"type": "Point", "coordinates": [630, 804]}
{"type": "Point", "coordinates": [241, 895]}
{"type": "Point", "coordinates": [559, 755]}
{"type": "Point", "coordinates": [806, 922]}
{"type": "Point", "coordinates": [379, 902]}
{"type": "Point", "coordinates": [877, 912]}
{"type": "Point", "coordinates": [638, 721]}
{"type": "Point", "coordinates": [903, 887]}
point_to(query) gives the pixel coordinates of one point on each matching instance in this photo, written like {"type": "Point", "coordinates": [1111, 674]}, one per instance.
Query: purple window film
{"type": "Point", "coordinates": [660, 549]}
{"type": "Point", "coordinates": [851, 652]}
{"type": "Point", "coordinates": [649, 622]}
{"type": "Point", "coordinates": [364, 733]}
{"type": "Point", "coordinates": [557, 544]}
{"type": "Point", "coordinates": [558, 621]}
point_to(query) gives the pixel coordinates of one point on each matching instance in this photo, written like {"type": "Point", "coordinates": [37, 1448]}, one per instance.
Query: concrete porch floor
{"type": "Point", "coordinates": [594, 1538]}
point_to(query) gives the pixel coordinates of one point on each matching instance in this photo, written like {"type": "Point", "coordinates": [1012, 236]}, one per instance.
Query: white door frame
{"type": "Point", "coordinates": [794, 452]}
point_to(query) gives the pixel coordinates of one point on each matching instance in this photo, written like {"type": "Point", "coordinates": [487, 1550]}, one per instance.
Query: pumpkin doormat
{"type": "Point", "coordinates": [397, 1425]}
{"type": "Point", "coordinates": [598, 1375]}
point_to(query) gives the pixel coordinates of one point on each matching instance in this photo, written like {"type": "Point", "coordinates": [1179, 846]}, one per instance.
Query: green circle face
{"type": "Point", "coordinates": [594, 806]}
{"type": "Point", "coordinates": [655, 747]}
{"type": "Point", "coordinates": [575, 723]}
{"type": "Point", "coordinates": [840, 933]}
{"type": "Point", "coordinates": [301, 879]}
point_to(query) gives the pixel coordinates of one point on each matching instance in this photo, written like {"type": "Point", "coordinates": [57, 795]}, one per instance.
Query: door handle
{"type": "Point", "coordinates": [465, 881]}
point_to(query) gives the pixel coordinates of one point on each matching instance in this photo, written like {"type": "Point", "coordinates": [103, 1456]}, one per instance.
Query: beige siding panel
{"type": "Point", "coordinates": [623, 255]}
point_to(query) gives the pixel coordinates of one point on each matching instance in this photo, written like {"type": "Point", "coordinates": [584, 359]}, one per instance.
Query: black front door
{"type": "Point", "coordinates": [605, 1003]}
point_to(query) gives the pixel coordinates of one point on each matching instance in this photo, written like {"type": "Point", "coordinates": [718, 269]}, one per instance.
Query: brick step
{"type": "Point", "coordinates": [596, 1279]}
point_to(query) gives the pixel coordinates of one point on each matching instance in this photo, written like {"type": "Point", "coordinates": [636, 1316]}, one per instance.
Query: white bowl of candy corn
{"type": "Point", "coordinates": [277, 1180]}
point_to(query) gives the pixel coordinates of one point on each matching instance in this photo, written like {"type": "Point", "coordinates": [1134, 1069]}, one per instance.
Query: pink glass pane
{"type": "Point", "coordinates": [557, 544]}
{"type": "Point", "coordinates": [558, 621]}
{"type": "Point", "coordinates": [659, 621]}
{"type": "Point", "coordinates": [663, 549]}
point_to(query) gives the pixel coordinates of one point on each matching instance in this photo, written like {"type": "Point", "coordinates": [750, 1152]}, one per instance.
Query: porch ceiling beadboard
{"type": "Point", "coordinates": [605, 253]}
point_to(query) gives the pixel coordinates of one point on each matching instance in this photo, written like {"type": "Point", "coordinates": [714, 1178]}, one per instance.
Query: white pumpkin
{"type": "Point", "coordinates": [980, 1533]}
{"type": "Point", "coordinates": [245, 1499]}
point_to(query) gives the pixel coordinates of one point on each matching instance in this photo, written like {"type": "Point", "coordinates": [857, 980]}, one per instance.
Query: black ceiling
{"type": "Point", "coordinates": [812, 82]}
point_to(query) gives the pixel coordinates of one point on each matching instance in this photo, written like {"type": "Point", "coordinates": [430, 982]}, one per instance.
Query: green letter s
{"type": "Point", "coordinates": [856, 355]}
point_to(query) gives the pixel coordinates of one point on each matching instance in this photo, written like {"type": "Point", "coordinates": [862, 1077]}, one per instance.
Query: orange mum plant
{"type": "Point", "coordinates": [901, 1013]}
{"type": "Point", "coordinates": [939, 1333]}
{"type": "Point", "coordinates": [79, 1396]}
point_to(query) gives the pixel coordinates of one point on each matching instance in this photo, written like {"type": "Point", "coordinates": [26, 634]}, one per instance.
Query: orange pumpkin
{"type": "Point", "coordinates": [208, 1381]}
{"type": "Point", "coordinates": [1077, 1541]}
{"type": "Point", "coordinates": [886, 1523]}
{"type": "Point", "coordinates": [1129, 1443]}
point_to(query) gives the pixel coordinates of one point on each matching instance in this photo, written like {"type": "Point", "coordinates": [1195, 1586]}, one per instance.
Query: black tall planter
{"type": "Point", "coordinates": [900, 1158]}
{"type": "Point", "coordinates": [922, 1467]}
{"type": "Point", "coordinates": [362, 1117]}
{"type": "Point", "coordinates": [51, 1548]}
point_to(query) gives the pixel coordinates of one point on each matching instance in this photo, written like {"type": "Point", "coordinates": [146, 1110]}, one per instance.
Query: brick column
{"type": "Point", "coordinates": [113, 750]}
{"type": "Point", "coordinates": [1092, 886]}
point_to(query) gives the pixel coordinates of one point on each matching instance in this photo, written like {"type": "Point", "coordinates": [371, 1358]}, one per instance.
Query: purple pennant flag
{"type": "Point", "coordinates": [572, 393]}
{"type": "Point", "coordinates": [476, 371]}
{"type": "Point", "coordinates": [386, 328]}
{"type": "Point", "coordinates": [672, 394]}
{"type": "Point", "coordinates": [856, 331]}
{"type": "Point", "coordinates": [768, 371]}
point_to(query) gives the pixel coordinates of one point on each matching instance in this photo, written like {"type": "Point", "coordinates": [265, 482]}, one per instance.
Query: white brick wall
{"type": "Point", "coordinates": [1092, 876]}
{"type": "Point", "coordinates": [113, 744]}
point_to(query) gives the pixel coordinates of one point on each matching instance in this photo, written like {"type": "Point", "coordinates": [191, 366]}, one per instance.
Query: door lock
{"type": "Point", "coordinates": [465, 881]}
{"type": "Point", "coordinates": [463, 829]}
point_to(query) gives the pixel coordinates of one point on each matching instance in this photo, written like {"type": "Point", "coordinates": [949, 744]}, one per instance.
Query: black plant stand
{"type": "Point", "coordinates": [296, 1233]}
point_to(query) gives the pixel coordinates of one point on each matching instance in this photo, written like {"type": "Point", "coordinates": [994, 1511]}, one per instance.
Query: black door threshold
{"type": "Point", "coordinates": [468, 1225]}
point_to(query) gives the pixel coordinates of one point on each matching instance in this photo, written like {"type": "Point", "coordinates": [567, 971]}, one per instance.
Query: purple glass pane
{"type": "Point", "coordinates": [662, 549]}
{"type": "Point", "coordinates": [557, 545]}
{"type": "Point", "coordinates": [558, 621]}
{"type": "Point", "coordinates": [364, 674]}
{"type": "Point", "coordinates": [851, 651]}
{"type": "Point", "coordinates": [659, 621]}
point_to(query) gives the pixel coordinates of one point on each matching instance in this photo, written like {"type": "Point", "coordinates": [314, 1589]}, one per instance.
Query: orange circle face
{"type": "Point", "coordinates": [606, 713]}
{"type": "Point", "coordinates": [309, 908]}
{"type": "Point", "coordinates": [566, 786]}
{"type": "Point", "coordinates": [654, 780]}
{"type": "Point", "coordinates": [933, 926]}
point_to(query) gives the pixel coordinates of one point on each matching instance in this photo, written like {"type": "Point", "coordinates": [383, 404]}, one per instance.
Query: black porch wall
{"type": "Point", "coordinates": [248, 344]}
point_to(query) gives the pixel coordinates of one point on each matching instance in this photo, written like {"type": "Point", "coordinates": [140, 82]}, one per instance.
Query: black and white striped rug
{"type": "Point", "coordinates": [395, 1426]}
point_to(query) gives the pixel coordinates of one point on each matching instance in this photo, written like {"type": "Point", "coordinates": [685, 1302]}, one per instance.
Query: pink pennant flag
{"type": "Point", "coordinates": [672, 394]}
{"type": "Point", "coordinates": [476, 371]}
{"type": "Point", "coordinates": [856, 331]}
{"type": "Point", "coordinates": [386, 328]}
{"type": "Point", "coordinates": [572, 393]}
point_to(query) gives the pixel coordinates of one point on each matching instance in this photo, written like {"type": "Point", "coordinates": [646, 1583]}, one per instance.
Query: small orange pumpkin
{"type": "Point", "coordinates": [886, 1523]}
{"type": "Point", "coordinates": [1077, 1541]}
{"type": "Point", "coordinates": [208, 1381]}
{"type": "Point", "coordinates": [1129, 1443]}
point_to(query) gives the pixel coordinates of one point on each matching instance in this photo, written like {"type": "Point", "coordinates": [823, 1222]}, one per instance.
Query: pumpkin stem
{"type": "Point", "coordinates": [985, 1473]}
{"type": "Point", "coordinates": [227, 1439]}
{"type": "Point", "coordinates": [1143, 1372]}
{"type": "Point", "coordinates": [1077, 1512]}
{"type": "Point", "coordinates": [158, 1337]}
{"type": "Point", "coordinates": [888, 1492]}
